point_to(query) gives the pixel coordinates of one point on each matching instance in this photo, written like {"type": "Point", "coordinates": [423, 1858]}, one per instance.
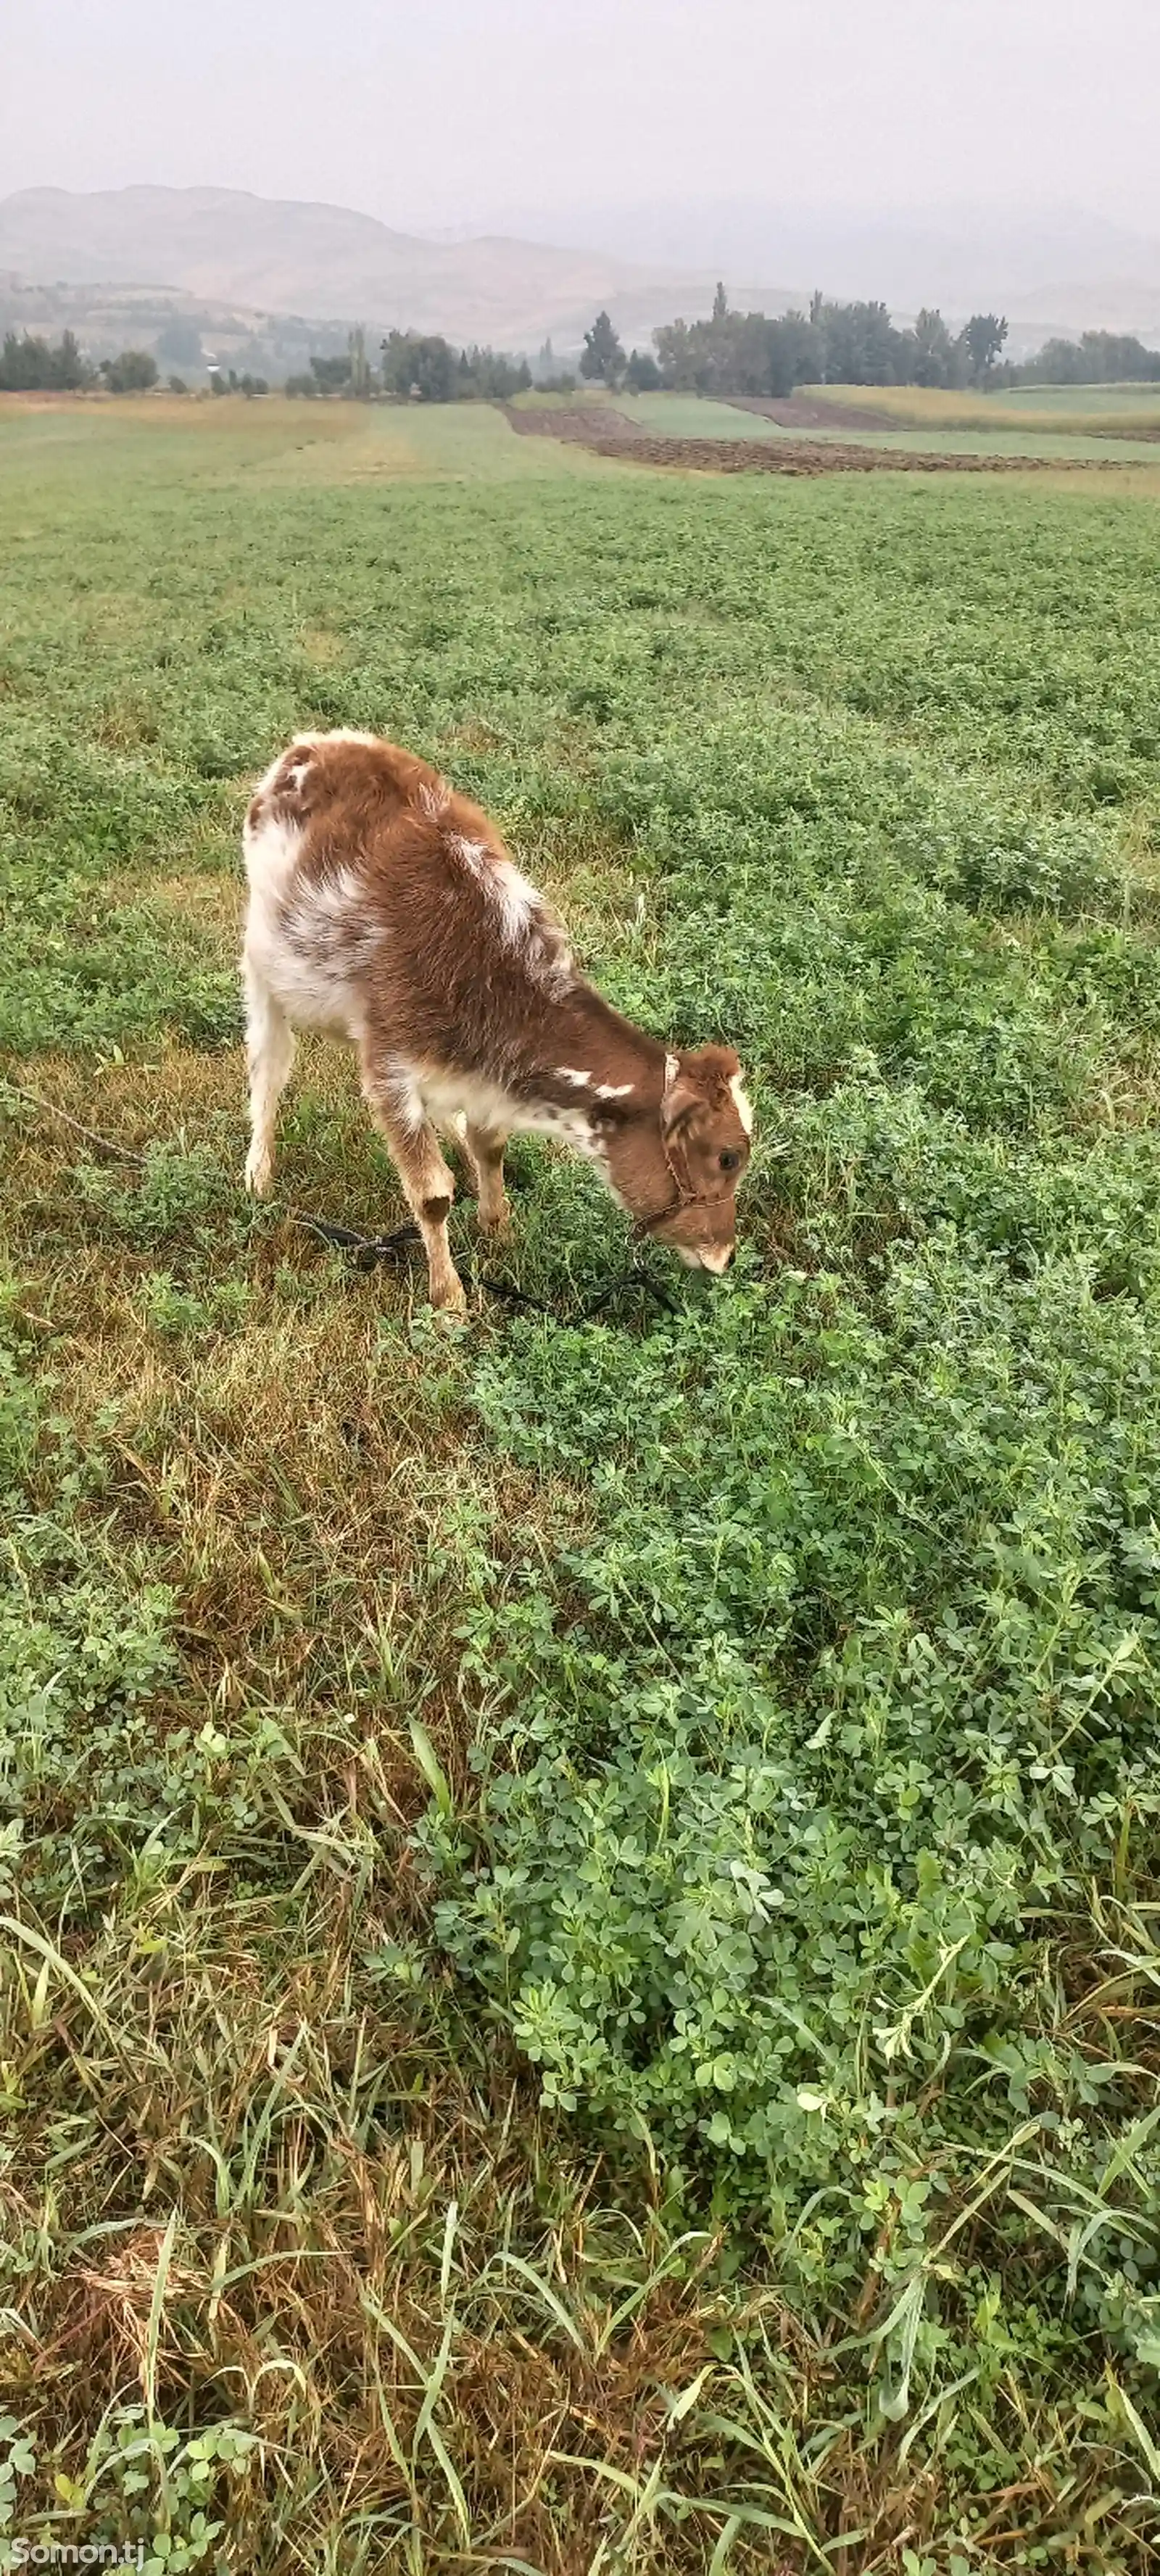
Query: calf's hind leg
{"type": "Point", "coordinates": [269, 1055]}
{"type": "Point", "coordinates": [428, 1184]}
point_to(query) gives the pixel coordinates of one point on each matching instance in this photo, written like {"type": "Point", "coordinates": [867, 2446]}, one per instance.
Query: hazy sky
{"type": "Point", "coordinates": [438, 112]}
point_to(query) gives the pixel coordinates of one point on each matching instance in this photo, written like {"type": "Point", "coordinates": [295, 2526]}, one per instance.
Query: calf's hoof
{"type": "Point", "coordinates": [449, 1297]}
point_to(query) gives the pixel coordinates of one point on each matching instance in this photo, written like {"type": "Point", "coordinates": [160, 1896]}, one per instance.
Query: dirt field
{"type": "Point", "coordinates": [794, 412]}
{"type": "Point", "coordinates": [608, 433]}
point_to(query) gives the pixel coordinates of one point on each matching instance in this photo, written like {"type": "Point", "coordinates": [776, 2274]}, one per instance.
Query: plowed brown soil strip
{"type": "Point", "coordinates": [608, 433]}
{"type": "Point", "coordinates": [587, 424]}
{"type": "Point", "coordinates": [791, 411]}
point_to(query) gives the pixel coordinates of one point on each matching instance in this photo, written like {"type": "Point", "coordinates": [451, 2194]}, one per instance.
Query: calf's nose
{"type": "Point", "coordinates": [717, 1257]}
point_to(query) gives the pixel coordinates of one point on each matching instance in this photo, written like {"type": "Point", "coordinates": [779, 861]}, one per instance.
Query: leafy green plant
{"type": "Point", "coordinates": [601, 1878]}
{"type": "Point", "coordinates": [171, 1309]}
{"type": "Point", "coordinates": [170, 2497]}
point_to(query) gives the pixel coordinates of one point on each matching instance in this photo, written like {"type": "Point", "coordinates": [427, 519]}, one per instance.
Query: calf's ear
{"type": "Point", "coordinates": [681, 1094]}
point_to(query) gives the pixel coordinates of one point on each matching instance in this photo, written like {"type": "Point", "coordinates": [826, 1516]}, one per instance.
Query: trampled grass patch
{"type": "Point", "coordinates": [579, 1976]}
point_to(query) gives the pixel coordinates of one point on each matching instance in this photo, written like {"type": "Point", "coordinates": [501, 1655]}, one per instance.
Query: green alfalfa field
{"type": "Point", "coordinates": [581, 1985]}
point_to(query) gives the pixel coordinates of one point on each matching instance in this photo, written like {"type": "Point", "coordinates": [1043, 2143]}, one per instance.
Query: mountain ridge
{"type": "Point", "coordinates": [279, 255]}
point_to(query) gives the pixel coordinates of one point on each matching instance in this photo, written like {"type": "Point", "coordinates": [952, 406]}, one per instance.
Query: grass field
{"type": "Point", "coordinates": [580, 1987]}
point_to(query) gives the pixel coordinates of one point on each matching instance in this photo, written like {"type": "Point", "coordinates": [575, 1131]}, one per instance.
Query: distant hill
{"type": "Point", "coordinates": [183, 331]}
{"type": "Point", "coordinates": [274, 256]}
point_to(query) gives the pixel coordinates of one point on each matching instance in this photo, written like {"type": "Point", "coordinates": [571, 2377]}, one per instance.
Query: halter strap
{"type": "Point", "coordinates": [682, 1196]}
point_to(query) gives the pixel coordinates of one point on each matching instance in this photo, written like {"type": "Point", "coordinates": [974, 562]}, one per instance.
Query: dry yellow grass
{"type": "Point", "coordinates": [932, 407]}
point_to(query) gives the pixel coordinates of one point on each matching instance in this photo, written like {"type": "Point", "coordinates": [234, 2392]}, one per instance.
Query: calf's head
{"type": "Point", "coordinates": [679, 1176]}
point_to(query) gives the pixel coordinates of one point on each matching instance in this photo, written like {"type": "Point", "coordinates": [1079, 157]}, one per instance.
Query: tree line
{"type": "Point", "coordinates": [1097, 358]}
{"type": "Point", "coordinates": [414, 366]}
{"type": "Point", "coordinates": [730, 353]}
{"type": "Point", "coordinates": [29, 366]}
{"type": "Point", "coordinates": [32, 366]}
{"type": "Point", "coordinates": [834, 343]}
{"type": "Point", "coordinates": [849, 344]}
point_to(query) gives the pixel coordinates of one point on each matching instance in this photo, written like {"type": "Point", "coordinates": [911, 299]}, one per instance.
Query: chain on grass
{"type": "Point", "coordinates": [373, 1251]}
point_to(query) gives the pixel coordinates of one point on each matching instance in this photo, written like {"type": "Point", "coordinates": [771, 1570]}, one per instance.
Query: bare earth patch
{"type": "Point", "coordinates": [795, 412]}
{"type": "Point", "coordinates": [609, 433]}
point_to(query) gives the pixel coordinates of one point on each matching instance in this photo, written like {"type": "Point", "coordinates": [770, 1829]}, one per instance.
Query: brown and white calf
{"type": "Point", "coordinates": [384, 909]}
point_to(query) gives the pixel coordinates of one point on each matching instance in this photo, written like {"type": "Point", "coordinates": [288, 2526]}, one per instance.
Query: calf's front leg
{"type": "Point", "coordinates": [485, 1147]}
{"type": "Point", "coordinates": [428, 1184]}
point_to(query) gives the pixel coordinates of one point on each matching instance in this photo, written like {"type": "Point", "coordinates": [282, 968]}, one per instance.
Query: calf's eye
{"type": "Point", "coordinates": [729, 1161]}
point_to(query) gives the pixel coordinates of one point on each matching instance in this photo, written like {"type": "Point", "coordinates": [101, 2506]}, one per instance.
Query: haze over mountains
{"type": "Point", "coordinates": [278, 256]}
{"type": "Point", "coordinates": [1055, 262]}
{"type": "Point", "coordinates": [117, 261]}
